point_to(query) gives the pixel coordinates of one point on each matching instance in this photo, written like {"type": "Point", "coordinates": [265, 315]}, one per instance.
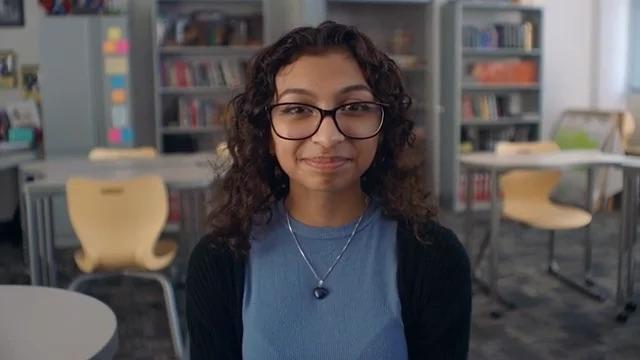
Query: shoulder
{"type": "Point", "coordinates": [212, 262]}
{"type": "Point", "coordinates": [437, 242]}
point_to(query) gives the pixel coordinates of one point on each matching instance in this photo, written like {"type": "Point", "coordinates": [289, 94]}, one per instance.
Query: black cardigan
{"type": "Point", "coordinates": [434, 285]}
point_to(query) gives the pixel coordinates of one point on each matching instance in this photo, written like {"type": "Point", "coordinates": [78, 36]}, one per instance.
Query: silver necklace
{"type": "Point", "coordinates": [320, 292]}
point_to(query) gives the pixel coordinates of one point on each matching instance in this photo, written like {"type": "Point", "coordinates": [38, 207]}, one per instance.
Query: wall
{"type": "Point", "coordinates": [613, 54]}
{"type": "Point", "coordinates": [586, 56]}
{"type": "Point", "coordinates": [24, 41]}
{"type": "Point", "coordinates": [567, 59]}
{"type": "Point", "coordinates": [634, 98]}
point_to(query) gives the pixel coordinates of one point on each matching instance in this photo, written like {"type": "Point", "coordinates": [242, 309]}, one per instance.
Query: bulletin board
{"type": "Point", "coordinates": [595, 130]}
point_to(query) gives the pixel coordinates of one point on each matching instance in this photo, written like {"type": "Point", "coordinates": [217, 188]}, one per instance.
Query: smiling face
{"type": "Point", "coordinates": [327, 161]}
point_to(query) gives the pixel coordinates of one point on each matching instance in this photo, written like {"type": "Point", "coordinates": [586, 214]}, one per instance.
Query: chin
{"type": "Point", "coordinates": [327, 184]}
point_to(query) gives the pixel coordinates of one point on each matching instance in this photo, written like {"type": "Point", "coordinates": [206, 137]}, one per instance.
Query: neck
{"type": "Point", "coordinates": [325, 209]}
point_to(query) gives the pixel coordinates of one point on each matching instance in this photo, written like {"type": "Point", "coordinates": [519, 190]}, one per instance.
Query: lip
{"type": "Point", "coordinates": [326, 163]}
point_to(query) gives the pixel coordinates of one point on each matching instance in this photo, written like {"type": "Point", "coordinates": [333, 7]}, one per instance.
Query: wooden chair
{"type": "Point", "coordinates": [118, 223]}
{"type": "Point", "coordinates": [526, 200]}
{"type": "Point", "coordinates": [100, 153]}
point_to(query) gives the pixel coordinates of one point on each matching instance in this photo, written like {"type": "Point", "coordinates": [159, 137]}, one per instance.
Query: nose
{"type": "Point", "coordinates": [328, 134]}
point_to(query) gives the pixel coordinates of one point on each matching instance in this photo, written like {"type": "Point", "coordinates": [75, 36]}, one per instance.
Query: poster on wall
{"type": "Point", "coordinates": [11, 13]}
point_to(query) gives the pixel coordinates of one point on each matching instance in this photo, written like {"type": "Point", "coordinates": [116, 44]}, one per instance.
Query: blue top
{"type": "Point", "coordinates": [359, 319]}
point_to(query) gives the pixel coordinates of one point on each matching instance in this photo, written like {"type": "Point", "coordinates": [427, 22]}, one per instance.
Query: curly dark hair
{"type": "Point", "coordinates": [254, 181]}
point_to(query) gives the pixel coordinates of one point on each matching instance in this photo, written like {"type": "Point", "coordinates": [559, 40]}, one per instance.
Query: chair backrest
{"type": "Point", "coordinates": [145, 152]}
{"type": "Point", "coordinates": [527, 185]}
{"type": "Point", "coordinates": [117, 221]}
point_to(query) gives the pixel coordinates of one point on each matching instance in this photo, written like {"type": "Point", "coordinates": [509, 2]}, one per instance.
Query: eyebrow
{"type": "Point", "coordinates": [344, 90]}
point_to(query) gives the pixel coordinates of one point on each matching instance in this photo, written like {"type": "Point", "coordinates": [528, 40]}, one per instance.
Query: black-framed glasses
{"type": "Point", "coordinates": [299, 121]}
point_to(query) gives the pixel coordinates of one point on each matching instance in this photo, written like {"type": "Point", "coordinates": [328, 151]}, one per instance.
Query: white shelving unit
{"type": "Point", "coordinates": [459, 89]}
{"type": "Point", "coordinates": [202, 130]}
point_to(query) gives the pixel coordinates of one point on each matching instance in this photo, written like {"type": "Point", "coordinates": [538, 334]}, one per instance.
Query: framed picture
{"type": "Point", "coordinates": [11, 13]}
{"type": "Point", "coordinates": [30, 85]}
{"type": "Point", "coordinates": [8, 76]}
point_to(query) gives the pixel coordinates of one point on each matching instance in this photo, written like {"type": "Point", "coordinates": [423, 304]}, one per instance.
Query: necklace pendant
{"type": "Point", "coordinates": [320, 292]}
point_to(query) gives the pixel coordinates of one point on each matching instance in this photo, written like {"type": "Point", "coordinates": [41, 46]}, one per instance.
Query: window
{"type": "Point", "coordinates": [635, 45]}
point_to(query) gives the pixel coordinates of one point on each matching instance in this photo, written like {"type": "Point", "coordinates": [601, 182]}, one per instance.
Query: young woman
{"type": "Point", "coordinates": [322, 242]}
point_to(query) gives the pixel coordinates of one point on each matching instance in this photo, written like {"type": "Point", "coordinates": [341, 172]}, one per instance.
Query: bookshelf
{"type": "Point", "coordinates": [491, 87]}
{"type": "Point", "coordinates": [409, 36]}
{"type": "Point", "coordinates": [200, 50]}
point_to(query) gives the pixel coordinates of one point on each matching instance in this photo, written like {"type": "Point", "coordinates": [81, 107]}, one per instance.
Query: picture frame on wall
{"type": "Point", "coordinates": [11, 13]}
{"type": "Point", "coordinates": [8, 69]}
{"type": "Point", "coordinates": [30, 83]}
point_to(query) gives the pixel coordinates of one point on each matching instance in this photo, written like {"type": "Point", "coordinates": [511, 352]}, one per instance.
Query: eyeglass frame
{"type": "Point", "coordinates": [323, 115]}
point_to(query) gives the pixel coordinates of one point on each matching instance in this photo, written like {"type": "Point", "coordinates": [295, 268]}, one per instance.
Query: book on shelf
{"type": "Point", "coordinates": [499, 36]}
{"type": "Point", "coordinates": [491, 106]}
{"type": "Point", "coordinates": [520, 72]}
{"type": "Point", "coordinates": [194, 112]}
{"type": "Point", "coordinates": [209, 27]}
{"type": "Point", "coordinates": [480, 187]}
{"type": "Point", "coordinates": [186, 73]}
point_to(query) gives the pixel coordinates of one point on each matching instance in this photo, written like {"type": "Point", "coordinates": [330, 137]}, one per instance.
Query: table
{"type": "Point", "coordinates": [191, 175]}
{"type": "Point", "coordinates": [495, 164]}
{"type": "Point", "coordinates": [11, 159]}
{"type": "Point", "coordinates": [47, 323]}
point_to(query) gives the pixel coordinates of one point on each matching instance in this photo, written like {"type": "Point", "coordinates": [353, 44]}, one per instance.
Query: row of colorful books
{"type": "Point", "coordinates": [209, 27]}
{"type": "Point", "coordinates": [203, 73]}
{"type": "Point", "coordinates": [480, 187]}
{"type": "Point", "coordinates": [195, 112]}
{"type": "Point", "coordinates": [493, 106]}
{"type": "Point", "coordinates": [501, 35]}
{"type": "Point", "coordinates": [502, 72]}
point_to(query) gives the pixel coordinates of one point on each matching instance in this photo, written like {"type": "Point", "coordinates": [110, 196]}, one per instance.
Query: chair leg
{"type": "Point", "coordinates": [83, 278]}
{"type": "Point", "coordinates": [172, 312]}
{"type": "Point", "coordinates": [552, 265]}
{"type": "Point", "coordinates": [554, 270]}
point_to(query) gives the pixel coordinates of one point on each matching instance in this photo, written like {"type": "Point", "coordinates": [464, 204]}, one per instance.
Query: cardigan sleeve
{"type": "Point", "coordinates": [444, 315]}
{"type": "Point", "coordinates": [210, 302]}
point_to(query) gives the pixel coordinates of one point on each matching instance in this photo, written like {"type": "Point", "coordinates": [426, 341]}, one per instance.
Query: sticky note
{"type": "Point", "coordinates": [114, 136]}
{"type": "Point", "coordinates": [122, 47]}
{"type": "Point", "coordinates": [118, 96]}
{"type": "Point", "coordinates": [109, 47]}
{"type": "Point", "coordinates": [119, 116]}
{"type": "Point", "coordinates": [114, 33]}
{"type": "Point", "coordinates": [116, 65]}
{"type": "Point", "coordinates": [127, 135]}
{"type": "Point", "coordinates": [117, 81]}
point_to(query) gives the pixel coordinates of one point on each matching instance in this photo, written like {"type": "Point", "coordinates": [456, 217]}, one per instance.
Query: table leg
{"type": "Point", "coordinates": [49, 241]}
{"type": "Point", "coordinates": [631, 238]}
{"type": "Point", "coordinates": [493, 243]}
{"type": "Point", "coordinates": [468, 224]}
{"type": "Point", "coordinates": [186, 234]}
{"type": "Point", "coordinates": [627, 228]}
{"type": "Point", "coordinates": [587, 230]}
{"type": "Point", "coordinates": [42, 245]}
{"type": "Point", "coordinates": [31, 239]}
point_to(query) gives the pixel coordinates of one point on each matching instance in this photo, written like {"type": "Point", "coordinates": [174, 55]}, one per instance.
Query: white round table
{"type": "Point", "coordinates": [49, 323]}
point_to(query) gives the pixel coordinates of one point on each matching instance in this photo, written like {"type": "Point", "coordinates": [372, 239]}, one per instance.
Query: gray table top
{"type": "Point", "coordinates": [178, 171]}
{"type": "Point", "coordinates": [10, 159]}
{"type": "Point", "coordinates": [49, 323]}
{"type": "Point", "coordinates": [557, 160]}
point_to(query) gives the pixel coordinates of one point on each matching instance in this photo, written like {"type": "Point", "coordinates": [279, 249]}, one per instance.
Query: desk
{"type": "Point", "coordinates": [190, 175]}
{"type": "Point", "coordinates": [495, 164]}
{"type": "Point", "coordinates": [11, 159]}
{"type": "Point", "coordinates": [46, 323]}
